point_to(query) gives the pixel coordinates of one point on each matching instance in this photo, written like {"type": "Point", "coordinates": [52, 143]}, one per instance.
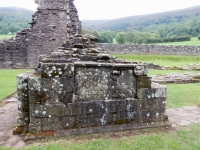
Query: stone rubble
{"type": "Point", "coordinates": [176, 78]}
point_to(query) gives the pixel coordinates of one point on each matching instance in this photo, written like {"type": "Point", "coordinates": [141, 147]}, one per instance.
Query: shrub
{"type": "Point", "coordinates": [199, 36]}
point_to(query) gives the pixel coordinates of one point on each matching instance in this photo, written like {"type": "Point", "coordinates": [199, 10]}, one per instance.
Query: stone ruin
{"type": "Point", "coordinates": [51, 25]}
{"type": "Point", "coordinates": [78, 88]}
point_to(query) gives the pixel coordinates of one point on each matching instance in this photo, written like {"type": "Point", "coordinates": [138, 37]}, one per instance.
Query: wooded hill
{"type": "Point", "coordinates": [166, 24]}
{"type": "Point", "coordinates": [13, 19]}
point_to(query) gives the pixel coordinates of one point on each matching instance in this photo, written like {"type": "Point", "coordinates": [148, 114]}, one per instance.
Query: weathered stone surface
{"type": "Point", "coordinates": [155, 92]}
{"type": "Point", "coordinates": [143, 82]}
{"type": "Point", "coordinates": [57, 70]}
{"type": "Point", "coordinates": [140, 70]}
{"type": "Point", "coordinates": [87, 89]}
{"type": "Point", "coordinates": [80, 88]}
{"type": "Point", "coordinates": [91, 95]}
{"type": "Point", "coordinates": [123, 84]}
{"type": "Point", "coordinates": [150, 49]}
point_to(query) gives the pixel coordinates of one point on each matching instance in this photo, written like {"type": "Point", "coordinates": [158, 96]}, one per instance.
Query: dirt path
{"type": "Point", "coordinates": [8, 117]}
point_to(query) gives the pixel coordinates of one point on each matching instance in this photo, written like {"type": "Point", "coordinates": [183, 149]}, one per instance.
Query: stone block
{"type": "Point", "coordinates": [145, 117]}
{"type": "Point", "coordinates": [92, 83]}
{"type": "Point", "coordinates": [36, 83]}
{"type": "Point", "coordinates": [156, 103]}
{"type": "Point", "coordinates": [23, 106]}
{"type": "Point", "coordinates": [56, 70]}
{"type": "Point", "coordinates": [51, 124]}
{"type": "Point", "coordinates": [35, 125]}
{"type": "Point", "coordinates": [62, 84]}
{"type": "Point", "coordinates": [157, 115]}
{"type": "Point", "coordinates": [36, 97]}
{"type": "Point", "coordinates": [143, 82]}
{"type": "Point", "coordinates": [140, 70]}
{"type": "Point", "coordinates": [47, 111]}
{"type": "Point", "coordinates": [22, 95]}
{"type": "Point", "coordinates": [65, 97]}
{"type": "Point", "coordinates": [124, 84]}
{"type": "Point", "coordinates": [155, 92]}
{"type": "Point", "coordinates": [23, 118]}
{"type": "Point", "coordinates": [22, 82]}
{"type": "Point", "coordinates": [68, 122]}
{"type": "Point", "coordinates": [73, 109]}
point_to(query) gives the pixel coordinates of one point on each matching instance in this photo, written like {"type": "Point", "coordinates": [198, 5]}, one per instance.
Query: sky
{"type": "Point", "coordinates": [112, 9]}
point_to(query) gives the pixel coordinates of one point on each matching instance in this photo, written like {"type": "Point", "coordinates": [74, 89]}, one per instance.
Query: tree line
{"type": "Point", "coordinates": [133, 36]}
{"type": "Point", "coordinates": [13, 19]}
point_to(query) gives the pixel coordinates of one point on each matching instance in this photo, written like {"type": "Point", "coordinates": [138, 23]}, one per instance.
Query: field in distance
{"type": "Point", "coordinates": [194, 42]}
{"type": "Point", "coordinates": [8, 36]}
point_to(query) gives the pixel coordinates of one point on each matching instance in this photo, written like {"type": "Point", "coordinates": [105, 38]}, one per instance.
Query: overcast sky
{"type": "Point", "coordinates": [112, 9]}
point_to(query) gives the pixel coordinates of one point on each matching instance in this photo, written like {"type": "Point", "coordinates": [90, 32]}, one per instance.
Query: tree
{"type": "Point", "coordinates": [13, 29]}
{"type": "Point", "coordinates": [120, 37]}
{"type": "Point", "coordinates": [4, 30]}
{"type": "Point", "coordinates": [199, 36]}
{"type": "Point", "coordinates": [105, 37]}
{"type": "Point", "coordinates": [92, 32]}
{"type": "Point", "coordinates": [130, 36]}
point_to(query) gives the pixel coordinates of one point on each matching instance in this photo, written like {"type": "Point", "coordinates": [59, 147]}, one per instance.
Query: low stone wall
{"type": "Point", "coordinates": [150, 49]}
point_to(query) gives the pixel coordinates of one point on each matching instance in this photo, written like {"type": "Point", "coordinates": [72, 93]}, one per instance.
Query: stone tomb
{"type": "Point", "coordinates": [80, 89]}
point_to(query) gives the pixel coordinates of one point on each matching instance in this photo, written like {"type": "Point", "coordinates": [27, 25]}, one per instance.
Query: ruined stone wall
{"type": "Point", "coordinates": [150, 49]}
{"type": "Point", "coordinates": [86, 97]}
{"type": "Point", "coordinates": [80, 89]}
{"type": "Point", "coordinates": [54, 21]}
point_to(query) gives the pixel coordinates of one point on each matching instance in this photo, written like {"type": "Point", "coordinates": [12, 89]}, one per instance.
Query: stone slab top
{"type": "Point", "coordinates": [91, 64]}
{"type": "Point", "coordinates": [99, 64]}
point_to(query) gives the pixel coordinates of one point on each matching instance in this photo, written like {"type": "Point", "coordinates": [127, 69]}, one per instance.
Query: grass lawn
{"type": "Point", "coordinates": [179, 95]}
{"type": "Point", "coordinates": [163, 60]}
{"type": "Point", "coordinates": [8, 81]}
{"type": "Point", "coordinates": [194, 42]}
{"type": "Point", "coordinates": [155, 72]}
{"type": "Point", "coordinates": [6, 36]}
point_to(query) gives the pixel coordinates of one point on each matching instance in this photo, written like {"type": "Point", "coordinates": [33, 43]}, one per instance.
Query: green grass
{"type": "Point", "coordinates": [8, 81]}
{"type": "Point", "coordinates": [194, 42]}
{"type": "Point", "coordinates": [163, 60]}
{"type": "Point", "coordinates": [155, 72]}
{"type": "Point", "coordinates": [187, 138]}
{"type": "Point", "coordinates": [6, 36]}
{"type": "Point", "coordinates": [179, 95]}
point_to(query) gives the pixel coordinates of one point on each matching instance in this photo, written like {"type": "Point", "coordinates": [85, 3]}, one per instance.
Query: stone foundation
{"type": "Point", "coordinates": [88, 97]}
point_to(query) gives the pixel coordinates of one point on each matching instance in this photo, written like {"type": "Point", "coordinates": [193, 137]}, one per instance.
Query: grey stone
{"type": "Point", "coordinates": [80, 88]}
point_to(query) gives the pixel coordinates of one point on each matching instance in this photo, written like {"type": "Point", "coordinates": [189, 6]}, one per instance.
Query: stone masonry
{"type": "Point", "coordinates": [149, 49]}
{"type": "Point", "coordinates": [80, 89]}
{"type": "Point", "coordinates": [51, 25]}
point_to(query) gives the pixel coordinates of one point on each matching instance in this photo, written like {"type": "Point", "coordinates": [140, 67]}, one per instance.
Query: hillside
{"type": "Point", "coordinates": [14, 19]}
{"type": "Point", "coordinates": [188, 19]}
